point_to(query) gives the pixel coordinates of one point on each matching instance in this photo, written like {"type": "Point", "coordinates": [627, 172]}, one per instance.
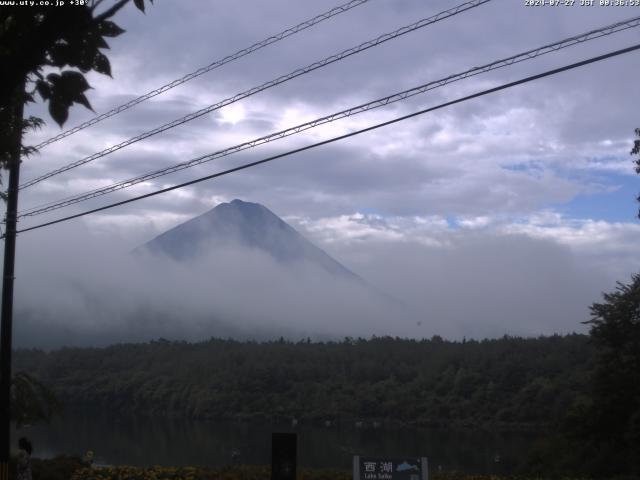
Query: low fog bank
{"type": "Point", "coordinates": [77, 288]}
{"type": "Point", "coordinates": [483, 284]}
{"type": "Point", "coordinates": [87, 291]}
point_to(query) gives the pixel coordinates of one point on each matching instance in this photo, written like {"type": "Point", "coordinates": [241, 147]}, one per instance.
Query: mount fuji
{"type": "Point", "coordinates": [236, 271]}
{"type": "Point", "coordinates": [240, 224]}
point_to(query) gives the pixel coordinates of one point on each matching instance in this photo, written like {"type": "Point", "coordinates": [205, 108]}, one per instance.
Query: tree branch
{"type": "Point", "coordinates": [110, 12]}
{"type": "Point", "coordinates": [96, 4]}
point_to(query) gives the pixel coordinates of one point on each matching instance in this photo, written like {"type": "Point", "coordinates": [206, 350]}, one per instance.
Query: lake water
{"type": "Point", "coordinates": [144, 441]}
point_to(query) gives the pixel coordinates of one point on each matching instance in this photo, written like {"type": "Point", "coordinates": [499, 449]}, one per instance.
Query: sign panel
{"type": "Point", "coordinates": [408, 468]}
{"type": "Point", "coordinates": [284, 454]}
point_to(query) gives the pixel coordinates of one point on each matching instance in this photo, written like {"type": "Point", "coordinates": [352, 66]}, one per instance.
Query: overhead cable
{"type": "Point", "coordinates": [342, 137]}
{"type": "Point", "coordinates": [212, 66]}
{"type": "Point", "coordinates": [520, 57]}
{"type": "Point", "coordinates": [272, 83]}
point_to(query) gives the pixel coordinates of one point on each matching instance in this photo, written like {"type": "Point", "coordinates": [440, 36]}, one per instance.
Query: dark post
{"type": "Point", "coordinates": [7, 284]}
{"type": "Point", "coordinates": [284, 448]}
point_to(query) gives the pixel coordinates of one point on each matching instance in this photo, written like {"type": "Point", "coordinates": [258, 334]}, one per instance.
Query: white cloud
{"type": "Point", "coordinates": [474, 222]}
{"type": "Point", "coordinates": [497, 165]}
{"type": "Point", "coordinates": [596, 243]}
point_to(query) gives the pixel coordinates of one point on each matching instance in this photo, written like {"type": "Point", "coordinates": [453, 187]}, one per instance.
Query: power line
{"type": "Point", "coordinates": [520, 57]}
{"type": "Point", "coordinates": [342, 137]}
{"type": "Point", "coordinates": [212, 66]}
{"type": "Point", "coordinates": [272, 83]}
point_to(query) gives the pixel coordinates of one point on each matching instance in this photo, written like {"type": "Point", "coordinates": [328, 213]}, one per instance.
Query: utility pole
{"type": "Point", "coordinates": [7, 281]}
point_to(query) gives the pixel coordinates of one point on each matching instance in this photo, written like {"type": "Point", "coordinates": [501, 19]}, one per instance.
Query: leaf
{"type": "Point", "coordinates": [59, 112]}
{"type": "Point", "coordinates": [139, 4]}
{"type": "Point", "coordinates": [32, 123]}
{"type": "Point", "coordinates": [109, 29]}
{"type": "Point", "coordinates": [82, 100]}
{"type": "Point", "coordinates": [63, 91]}
{"type": "Point", "coordinates": [101, 42]}
{"type": "Point", "coordinates": [27, 151]}
{"type": "Point", "coordinates": [60, 55]}
{"type": "Point", "coordinates": [85, 59]}
{"type": "Point", "coordinates": [73, 82]}
{"type": "Point", "coordinates": [53, 78]}
{"type": "Point", "coordinates": [101, 64]}
{"type": "Point", "coordinates": [94, 38]}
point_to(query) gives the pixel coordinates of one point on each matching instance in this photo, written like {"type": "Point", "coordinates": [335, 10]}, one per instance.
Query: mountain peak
{"type": "Point", "coordinates": [248, 210]}
{"type": "Point", "coordinates": [240, 224]}
{"type": "Point", "coordinates": [240, 204]}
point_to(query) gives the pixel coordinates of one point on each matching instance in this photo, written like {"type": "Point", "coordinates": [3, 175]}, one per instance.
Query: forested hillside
{"type": "Point", "coordinates": [507, 382]}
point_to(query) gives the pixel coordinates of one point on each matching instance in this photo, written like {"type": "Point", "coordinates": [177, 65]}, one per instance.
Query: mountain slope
{"type": "Point", "coordinates": [243, 225]}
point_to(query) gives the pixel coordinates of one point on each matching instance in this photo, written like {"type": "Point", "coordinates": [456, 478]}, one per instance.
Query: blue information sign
{"type": "Point", "coordinates": [409, 468]}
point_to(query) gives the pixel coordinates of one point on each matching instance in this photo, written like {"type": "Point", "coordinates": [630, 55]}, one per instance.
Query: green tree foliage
{"type": "Point", "coordinates": [35, 38]}
{"type": "Point", "coordinates": [31, 401]}
{"type": "Point", "coordinates": [502, 383]}
{"type": "Point", "coordinates": [600, 434]}
{"type": "Point", "coordinates": [39, 38]}
{"type": "Point", "coordinates": [614, 417]}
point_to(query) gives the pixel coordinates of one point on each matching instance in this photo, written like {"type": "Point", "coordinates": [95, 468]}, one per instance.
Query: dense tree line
{"type": "Point", "coordinates": [607, 426]}
{"type": "Point", "coordinates": [502, 383]}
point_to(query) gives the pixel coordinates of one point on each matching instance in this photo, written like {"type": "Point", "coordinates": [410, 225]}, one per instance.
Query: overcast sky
{"type": "Point", "coordinates": [505, 214]}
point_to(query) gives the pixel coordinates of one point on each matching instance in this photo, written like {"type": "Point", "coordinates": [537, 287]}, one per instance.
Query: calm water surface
{"type": "Point", "coordinates": [163, 441]}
